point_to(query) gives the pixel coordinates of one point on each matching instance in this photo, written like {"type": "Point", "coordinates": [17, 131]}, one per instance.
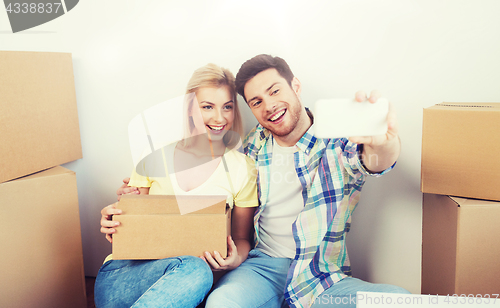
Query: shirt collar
{"type": "Point", "coordinates": [308, 140]}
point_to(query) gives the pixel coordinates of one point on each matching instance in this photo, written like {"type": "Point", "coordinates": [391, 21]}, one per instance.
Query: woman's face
{"type": "Point", "coordinates": [217, 110]}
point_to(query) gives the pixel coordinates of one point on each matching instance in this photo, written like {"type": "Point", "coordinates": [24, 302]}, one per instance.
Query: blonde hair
{"type": "Point", "coordinates": [212, 75]}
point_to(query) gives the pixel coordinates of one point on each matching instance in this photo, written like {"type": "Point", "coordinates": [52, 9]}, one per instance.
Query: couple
{"type": "Point", "coordinates": [307, 190]}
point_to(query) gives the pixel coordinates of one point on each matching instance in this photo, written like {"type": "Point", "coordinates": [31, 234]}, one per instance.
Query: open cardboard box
{"type": "Point", "coordinates": [460, 150]}
{"type": "Point", "coordinates": [152, 226]}
{"type": "Point", "coordinates": [460, 246]}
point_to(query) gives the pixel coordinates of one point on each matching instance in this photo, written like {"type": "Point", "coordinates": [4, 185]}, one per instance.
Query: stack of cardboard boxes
{"type": "Point", "coordinates": [461, 208]}
{"type": "Point", "coordinates": [41, 261]}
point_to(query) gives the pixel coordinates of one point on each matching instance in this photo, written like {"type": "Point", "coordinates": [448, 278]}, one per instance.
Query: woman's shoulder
{"type": "Point", "coordinates": [239, 164]}
{"type": "Point", "coordinates": [236, 156]}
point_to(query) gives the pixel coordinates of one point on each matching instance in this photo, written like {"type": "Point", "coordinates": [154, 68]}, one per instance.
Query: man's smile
{"type": "Point", "coordinates": [278, 116]}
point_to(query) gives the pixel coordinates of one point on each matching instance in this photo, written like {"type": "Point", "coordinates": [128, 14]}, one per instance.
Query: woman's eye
{"type": "Point", "coordinates": [276, 91]}
{"type": "Point", "coordinates": [207, 107]}
{"type": "Point", "coordinates": [228, 107]}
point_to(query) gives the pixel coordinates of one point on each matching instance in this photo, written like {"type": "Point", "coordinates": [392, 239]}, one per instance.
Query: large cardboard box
{"type": "Point", "coordinates": [152, 226]}
{"type": "Point", "coordinates": [460, 246]}
{"type": "Point", "coordinates": [460, 150]}
{"type": "Point", "coordinates": [38, 114]}
{"type": "Point", "coordinates": [41, 261]}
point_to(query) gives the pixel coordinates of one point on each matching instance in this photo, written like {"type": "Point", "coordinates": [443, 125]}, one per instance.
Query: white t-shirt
{"type": "Point", "coordinates": [284, 204]}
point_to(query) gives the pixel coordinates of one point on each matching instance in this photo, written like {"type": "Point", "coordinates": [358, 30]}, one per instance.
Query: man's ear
{"type": "Point", "coordinates": [296, 86]}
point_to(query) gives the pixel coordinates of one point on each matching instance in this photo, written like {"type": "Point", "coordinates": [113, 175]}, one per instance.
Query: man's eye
{"type": "Point", "coordinates": [256, 103]}
{"type": "Point", "coordinates": [276, 91]}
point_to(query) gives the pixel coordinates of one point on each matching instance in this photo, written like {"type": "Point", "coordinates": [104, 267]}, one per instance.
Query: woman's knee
{"type": "Point", "coordinates": [195, 264]}
{"type": "Point", "coordinates": [198, 269]}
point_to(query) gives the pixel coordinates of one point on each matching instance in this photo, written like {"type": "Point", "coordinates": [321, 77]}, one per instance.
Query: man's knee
{"type": "Point", "coordinates": [218, 298]}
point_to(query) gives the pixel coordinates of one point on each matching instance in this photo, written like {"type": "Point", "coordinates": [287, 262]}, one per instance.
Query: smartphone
{"type": "Point", "coordinates": [338, 118]}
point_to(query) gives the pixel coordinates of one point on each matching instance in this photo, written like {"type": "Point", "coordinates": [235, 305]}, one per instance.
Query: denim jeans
{"type": "Point", "coordinates": [174, 282]}
{"type": "Point", "coordinates": [260, 282]}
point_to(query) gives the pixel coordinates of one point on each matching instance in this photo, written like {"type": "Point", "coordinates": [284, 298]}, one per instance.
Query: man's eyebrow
{"type": "Point", "coordinates": [264, 91]}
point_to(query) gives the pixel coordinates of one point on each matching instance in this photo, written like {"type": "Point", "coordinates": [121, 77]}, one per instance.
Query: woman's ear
{"type": "Point", "coordinates": [296, 86]}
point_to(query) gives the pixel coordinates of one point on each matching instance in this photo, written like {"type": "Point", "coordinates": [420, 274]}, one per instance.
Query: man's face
{"type": "Point", "coordinates": [274, 102]}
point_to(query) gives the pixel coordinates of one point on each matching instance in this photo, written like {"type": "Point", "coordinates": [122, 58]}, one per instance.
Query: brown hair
{"type": "Point", "coordinates": [258, 64]}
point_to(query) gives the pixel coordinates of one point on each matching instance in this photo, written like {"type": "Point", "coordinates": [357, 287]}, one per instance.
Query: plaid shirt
{"type": "Point", "coordinates": [332, 176]}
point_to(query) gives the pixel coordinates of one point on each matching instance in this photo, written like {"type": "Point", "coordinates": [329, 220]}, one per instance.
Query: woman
{"type": "Point", "coordinates": [204, 162]}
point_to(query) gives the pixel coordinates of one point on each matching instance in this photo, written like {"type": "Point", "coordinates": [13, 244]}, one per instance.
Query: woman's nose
{"type": "Point", "coordinates": [218, 116]}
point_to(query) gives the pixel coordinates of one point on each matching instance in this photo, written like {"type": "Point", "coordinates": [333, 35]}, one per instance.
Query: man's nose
{"type": "Point", "coordinates": [270, 104]}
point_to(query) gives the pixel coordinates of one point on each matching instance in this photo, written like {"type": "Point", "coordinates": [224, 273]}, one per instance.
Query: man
{"type": "Point", "coordinates": [308, 189]}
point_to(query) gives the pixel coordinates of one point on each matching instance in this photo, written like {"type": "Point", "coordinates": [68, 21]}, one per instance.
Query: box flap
{"type": "Point", "coordinates": [57, 170]}
{"type": "Point", "coordinates": [169, 204]}
{"type": "Point", "coordinates": [468, 106]}
{"type": "Point", "coordinates": [468, 202]}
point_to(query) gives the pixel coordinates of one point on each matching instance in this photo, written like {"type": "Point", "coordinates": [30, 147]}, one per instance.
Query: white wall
{"type": "Point", "coordinates": [130, 55]}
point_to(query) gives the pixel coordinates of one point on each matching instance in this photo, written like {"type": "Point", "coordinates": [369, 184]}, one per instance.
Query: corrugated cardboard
{"type": "Point", "coordinates": [460, 150]}
{"type": "Point", "coordinates": [41, 261]}
{"type": "Point", "coordinates": [153, 228]}
{"type": "Point", "coordinates": [38, 114]}
{"type": "Point", "coordinates": [460, 246]}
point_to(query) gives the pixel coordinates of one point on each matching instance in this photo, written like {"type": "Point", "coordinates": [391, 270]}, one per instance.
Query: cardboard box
{"type": "Point", "coordinates": [41, 247]}
{"type": "Point", "coordinates": [460, 150]}
{"type": "Point", "coordinates": [460, 246]}
{"type": "Point", "coordinates": [38, 114]}
{"type": "Point", "coordinates": [152, 226]}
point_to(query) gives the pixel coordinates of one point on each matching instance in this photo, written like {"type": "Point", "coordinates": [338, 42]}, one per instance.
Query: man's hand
{"type": "Point", "coordinates": [125, 189]}
{"type": "Point", "coordinates": [379, 152]}
{"type": "Point", "coordinates": [217, 263]}
{"type": "Point", "coordinates": [107, 224]}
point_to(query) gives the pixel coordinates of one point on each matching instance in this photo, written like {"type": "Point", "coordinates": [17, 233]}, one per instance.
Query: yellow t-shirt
{"type": "Point", "coordinates": [237, 180]}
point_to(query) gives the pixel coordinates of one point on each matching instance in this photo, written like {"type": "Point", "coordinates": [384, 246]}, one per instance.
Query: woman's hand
{"type": "Point", "coordinates": [107, 224]}
{"type": "Point", "coordinates": [218, 263]}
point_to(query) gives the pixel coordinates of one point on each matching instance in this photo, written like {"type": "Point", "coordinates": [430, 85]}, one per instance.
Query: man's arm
{"type": "Point", "coordinates": [379, 152]}
{"type": "Point", "coordinates": [125, 189]}
{"type": "Point", "coordinates": [239, 243]}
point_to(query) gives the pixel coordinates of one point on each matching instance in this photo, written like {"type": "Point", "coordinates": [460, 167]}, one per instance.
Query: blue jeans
{"type": "Point", "coordinates": [174, 282]}
{"type": "Point", "coordinates": [260, 281]}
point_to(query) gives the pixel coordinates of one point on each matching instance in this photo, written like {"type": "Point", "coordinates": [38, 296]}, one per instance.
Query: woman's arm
{"type": "Point", "coordinates": [239, 243]}
{"type": "Point", "coordinates": [107, 224]}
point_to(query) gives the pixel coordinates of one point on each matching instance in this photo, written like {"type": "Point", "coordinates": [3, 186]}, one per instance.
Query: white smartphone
{"type": "Point", "coordinates": [337, 118]}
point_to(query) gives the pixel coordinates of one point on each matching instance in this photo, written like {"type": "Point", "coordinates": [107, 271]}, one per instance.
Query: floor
{"type": "Point", "coordinates": [89, 284]}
